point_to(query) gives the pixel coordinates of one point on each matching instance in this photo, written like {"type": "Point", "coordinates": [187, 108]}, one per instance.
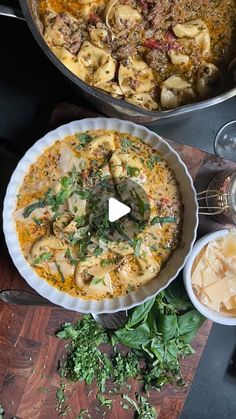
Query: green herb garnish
{"type": "Point", "coordinates": [103, 401]}
{"type": "Point", "coordinates": [42, 258]}
{"type": "Point", "coordinates": [70, 258]}
{"type": "Point", "coordinates": [60, 272]}
{"type": "Point", "coordinates": [137, 246]}
{"type": "Point", "coordinates": [163, 220]}
{"type": "Point", "coordinates": [132, 171]}
{"type": "Point", "coordinates": [142, 407]}
{"type": "Point", "coordinates": [98, 251]}
{"type": "Point", "coordinates": [153, 160]}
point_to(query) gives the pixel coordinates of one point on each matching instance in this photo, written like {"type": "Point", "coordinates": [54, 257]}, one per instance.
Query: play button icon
{"type": "Point", "coordinates": [116, 210]}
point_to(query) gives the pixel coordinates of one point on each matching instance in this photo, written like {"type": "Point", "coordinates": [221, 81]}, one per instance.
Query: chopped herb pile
{"type": "Point", "coordinates": [157, 335]}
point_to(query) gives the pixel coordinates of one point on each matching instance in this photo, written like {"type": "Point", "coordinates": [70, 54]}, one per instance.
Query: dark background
{"type": "Point", "coordinates": [30, 87]}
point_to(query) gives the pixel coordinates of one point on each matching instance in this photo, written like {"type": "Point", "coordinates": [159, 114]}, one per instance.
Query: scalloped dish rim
{"type": "Point", "coordinates": [173, 265]}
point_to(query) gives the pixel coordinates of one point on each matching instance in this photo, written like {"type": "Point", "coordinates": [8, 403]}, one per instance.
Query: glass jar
{"type": "Point", "coordinates": [224, 183]}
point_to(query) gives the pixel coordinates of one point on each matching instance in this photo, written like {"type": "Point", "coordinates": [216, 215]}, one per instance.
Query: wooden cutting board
{"type": "Point", "coordinates": [29, 350]}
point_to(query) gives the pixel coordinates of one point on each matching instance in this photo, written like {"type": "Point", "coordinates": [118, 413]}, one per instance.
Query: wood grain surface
{"type": "Point", "coordinates": [29, 350]}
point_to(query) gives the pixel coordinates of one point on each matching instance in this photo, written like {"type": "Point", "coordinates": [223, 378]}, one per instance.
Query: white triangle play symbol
{"type": "Point", "coordinates": [116, 209]}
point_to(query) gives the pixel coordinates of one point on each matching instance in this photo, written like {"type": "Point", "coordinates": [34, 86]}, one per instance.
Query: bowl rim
{"type": "Point", "coordinates": [219, 318]}
{"type": "Point", "coordinates": [48, 291]}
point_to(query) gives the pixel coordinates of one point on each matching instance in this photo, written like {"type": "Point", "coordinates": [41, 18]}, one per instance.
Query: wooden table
{"type": "Point", "coordinates": [29, 350]}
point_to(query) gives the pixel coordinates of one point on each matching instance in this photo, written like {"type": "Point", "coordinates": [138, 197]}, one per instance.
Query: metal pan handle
{"type": "Point", "coordinates": [11, 12]}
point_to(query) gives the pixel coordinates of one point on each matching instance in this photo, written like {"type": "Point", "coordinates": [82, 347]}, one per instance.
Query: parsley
{"type": "Point", "coordinates": [132, 171]}
{"type": "Point", "coordinates": [142, 407]}
{"type": "Point", "coordinates": [126, 143]}
{"type": "Point", "coordinates": [83, 414]}
{"type": "Point", "coordinates": [163, 220]}
{"type": "Point", "coordinates": [2, 412]}
{"type": "Point", "coordinates": [103, 401]}
{"type": "Point", "coordinates": [153, 160]}
{"type": "Point", "coordinates": [42, 258]}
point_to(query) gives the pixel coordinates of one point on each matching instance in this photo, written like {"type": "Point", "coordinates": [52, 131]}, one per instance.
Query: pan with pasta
{"type": "Point", "coordinates": [154, 54]}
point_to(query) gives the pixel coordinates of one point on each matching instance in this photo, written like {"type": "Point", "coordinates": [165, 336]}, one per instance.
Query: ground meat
{"type": "Point", "coordinates": [71, 31]}
{"type": "Point", "coordinates": [125, 52]}
{"type": "Point", "coordinates": [157, 60]}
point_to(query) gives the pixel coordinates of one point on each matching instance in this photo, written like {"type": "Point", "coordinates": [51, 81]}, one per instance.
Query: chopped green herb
{"type": "Point", "coordinates": [163, 220]}
{"type": "Point", "coordinates": [60, 272]}
{"type": "Point", "coordinates": [106, 262]}
{"type": "Point", "coordinates": [84, 139]}
{"type": "Point", "coordinates": [103, 401]}
{"type": "Point", "coordinates": [42, 258]}
{"type": "Point", "coordinates": [28, 210]}
{"type": "Point", "coordinates": [83, 414]}
{"type": "Point", "coordinates": [84, 194]}
{"type": "Point", "coordinates": [98, 251]}
{"type": "Point", "coordinates": [137, 246]}
{"type": "Point", "coordinates": [153, 160]}
{"type": "Point", "coordinates": [141, 204]}
{"type": "Point", "coordinates": [71, 259]}
{"type": "Point", "coordinates": [96, 280]}
{"type": "Point", "coordinates": [80, 221]}
{"type": "Point", "coordinates": [38, 221]}
{"type": "Point", "coordinates": [132, 171]}
{"type": "Point", "coordinates": [126, 143]}
{"type": "Point", "coordinates": [142, 407]}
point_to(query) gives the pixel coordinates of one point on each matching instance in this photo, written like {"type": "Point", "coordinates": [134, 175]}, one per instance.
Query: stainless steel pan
{"type": "Point", "coordinates": [104, 102]}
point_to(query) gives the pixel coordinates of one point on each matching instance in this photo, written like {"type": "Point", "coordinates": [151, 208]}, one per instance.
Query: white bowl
{"type": "Point", "coordinates": [173, 266]}
{"type": "Point", "coordinates": [213, 315]}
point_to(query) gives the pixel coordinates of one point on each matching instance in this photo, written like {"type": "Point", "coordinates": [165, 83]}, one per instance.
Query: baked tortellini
{"type": "Point", "coordinates": [132, 49]}
{"type": "Point", "coordinates": [63, 226]}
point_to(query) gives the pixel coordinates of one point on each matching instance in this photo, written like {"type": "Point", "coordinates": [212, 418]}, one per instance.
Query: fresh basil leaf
{"type": "Point", "coordinates": [176, 295]}
{"type": "Point", "coordinates": [137, 246]}
{"type": "Point", "coordinates": [163, 220]}
{"type": "Point", "coordinates": [151, 322]}
{"type": "Point", "coordinates": [167, 326]}
{"type": "Point", "coordinates": [134, 338]}
{"type": "Point", "coordinates": [190, 322]}
{"type": "Point", "coordinates": [28, 210]}
{"type": "Point", "coordinates": [139, 314]}
{"type": "Point", "coordinates": [141, 204]}
{"type": "Point", "coordinates": [158, 349]}
{"type": "Point", "coordinates": [172, 348]}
